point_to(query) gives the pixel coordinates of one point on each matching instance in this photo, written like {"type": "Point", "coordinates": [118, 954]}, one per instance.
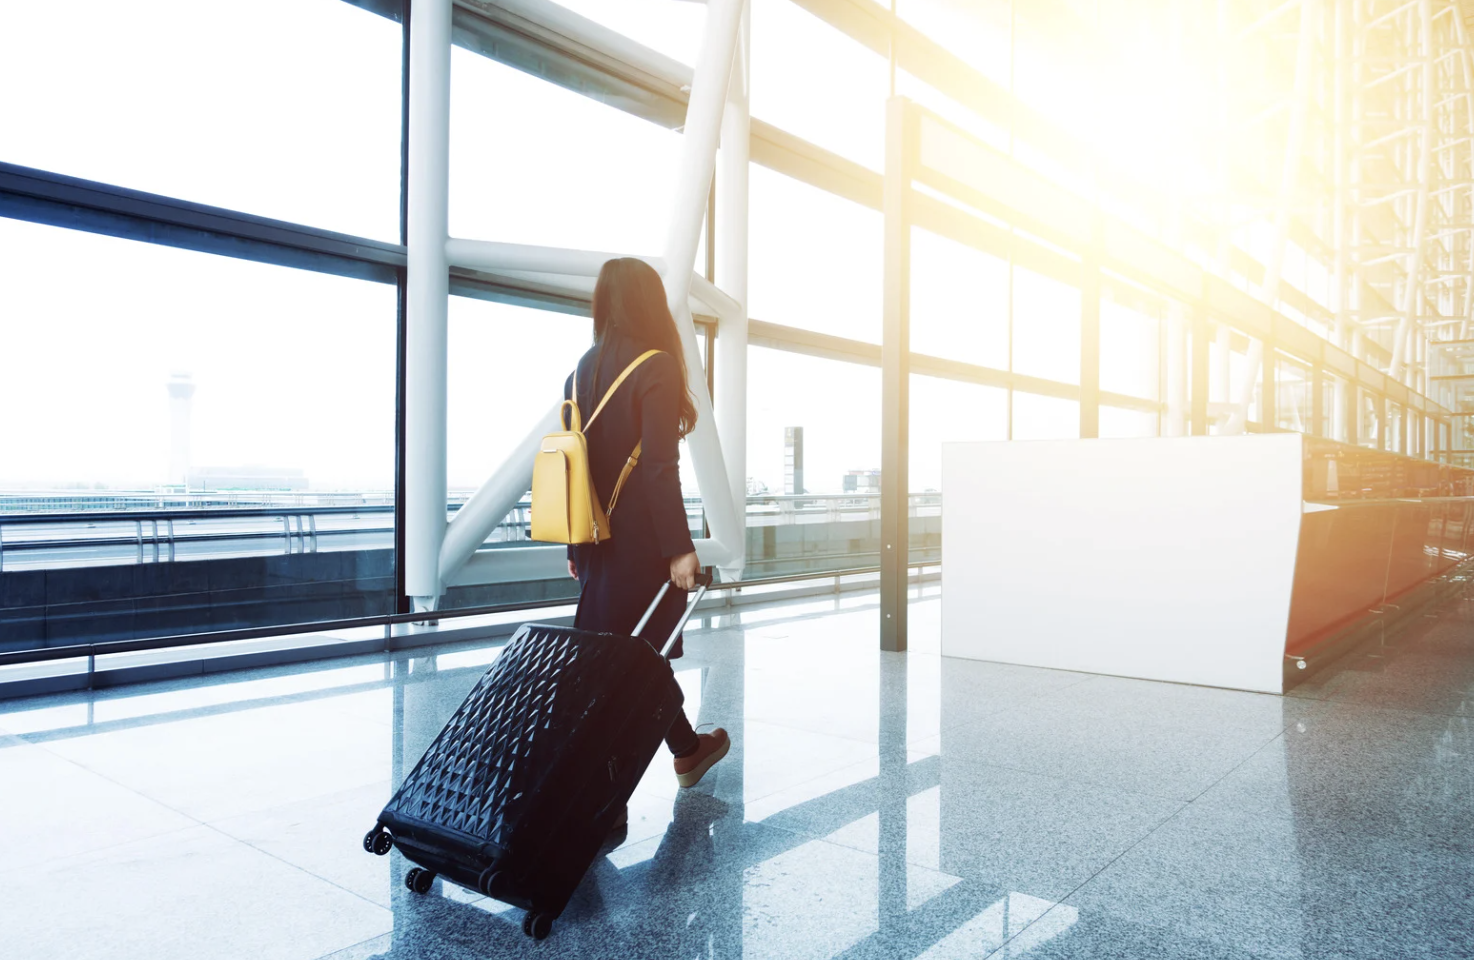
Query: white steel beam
{"type": "Point", "coordinates": [731, 271]}
{"type": "Point", "coordinates": [427, 290]}
{"type": "Point", "coordinates": [525, 258]}
{"type": "Point", "coordinates": [700, 139]}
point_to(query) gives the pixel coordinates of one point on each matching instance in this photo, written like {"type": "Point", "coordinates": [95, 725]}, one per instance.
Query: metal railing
{"type": "Point", "coordinates": [298, 523]}
{"type": "Point", "coordinates": [721, 594]}
{"type": "Point", "coordinates": [97, 538]}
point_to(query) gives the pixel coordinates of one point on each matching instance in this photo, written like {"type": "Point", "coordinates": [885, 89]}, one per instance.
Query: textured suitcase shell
{"type": "Point", "coordinates": [516, 794]}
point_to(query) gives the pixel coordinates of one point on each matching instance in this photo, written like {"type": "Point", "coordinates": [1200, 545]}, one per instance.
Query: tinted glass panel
{"type": "Point", "coordinates": [1038, 417]}
{"type": "Point", "coordinates": [531, 162]}
{"type": "Point", "coordinates": [221, 430]}
{"type": "Point", "coordinates": [1046, 327]}
{"type": "Point", "coordinates": [283, 108]}
{"type": "Point", "coordinates": [812, 427]}
{"type": "Point", "coordinates": [959, 301]}
{"type": "Point", "coordinates": [815, 260]}
{"type": "Point", "coordinates": [817, 83]}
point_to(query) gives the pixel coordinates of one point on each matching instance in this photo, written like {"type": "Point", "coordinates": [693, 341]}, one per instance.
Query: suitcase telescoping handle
{"type": "Point", "coordinates": [703, 580]}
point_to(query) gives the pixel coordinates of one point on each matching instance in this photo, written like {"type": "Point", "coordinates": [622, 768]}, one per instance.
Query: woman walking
{"type": "Point", "coordinates": [650, 542]}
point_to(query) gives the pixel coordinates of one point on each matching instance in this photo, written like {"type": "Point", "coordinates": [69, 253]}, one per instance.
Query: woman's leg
{"type": "Point", "coordinates": [681, 739]}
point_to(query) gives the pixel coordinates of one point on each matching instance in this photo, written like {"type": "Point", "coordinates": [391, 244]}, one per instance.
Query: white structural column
{"type": "Point", "coordinates": [693, 186]}
{"type": "Point", "coordinates": [427, 290]}
{"type": "Point", "coordinates": [731, 255]}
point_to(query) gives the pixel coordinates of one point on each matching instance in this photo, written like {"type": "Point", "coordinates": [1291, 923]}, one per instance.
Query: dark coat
{"type": "Point", "coordinates": [621, 575]}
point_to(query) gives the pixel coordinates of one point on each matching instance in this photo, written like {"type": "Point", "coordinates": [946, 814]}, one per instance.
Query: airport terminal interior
{"type": "Point", "coordinates": [1083, 462]}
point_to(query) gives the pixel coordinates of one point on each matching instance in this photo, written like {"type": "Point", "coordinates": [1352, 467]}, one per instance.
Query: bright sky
{"type": "Point", "coordinates": [296, 369]}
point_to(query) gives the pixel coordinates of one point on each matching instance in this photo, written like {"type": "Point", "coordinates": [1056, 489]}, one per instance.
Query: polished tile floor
{"type": "Point", "coordinates": [874, 805]}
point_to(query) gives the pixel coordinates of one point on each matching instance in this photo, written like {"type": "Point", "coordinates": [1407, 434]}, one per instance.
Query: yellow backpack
{"type": "Point", "coordinates": [565, 505]}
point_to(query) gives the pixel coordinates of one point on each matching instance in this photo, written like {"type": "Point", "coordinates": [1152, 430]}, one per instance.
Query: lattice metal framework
{"type": "Point", "coordinates": [1369, 105]}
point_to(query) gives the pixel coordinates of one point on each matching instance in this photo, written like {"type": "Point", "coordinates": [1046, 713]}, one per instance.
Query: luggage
{"type": "Point", "coordinates": [520, 789]}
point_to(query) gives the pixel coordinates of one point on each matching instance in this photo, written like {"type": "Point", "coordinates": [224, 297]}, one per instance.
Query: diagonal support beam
{"type": "Point", "coordinates": [693, 186]}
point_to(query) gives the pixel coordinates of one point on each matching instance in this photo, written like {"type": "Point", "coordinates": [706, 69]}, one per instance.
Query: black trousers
{"type": "Point", "coordinates": [616, 589]}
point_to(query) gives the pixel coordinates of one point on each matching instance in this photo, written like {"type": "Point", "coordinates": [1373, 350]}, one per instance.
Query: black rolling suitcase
{"type": "Point", "coordinates": [517, 794]}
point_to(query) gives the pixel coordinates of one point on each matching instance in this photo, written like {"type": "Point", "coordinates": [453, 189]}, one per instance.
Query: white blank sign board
{"type": "Point", "coordinates": [1166, 559]}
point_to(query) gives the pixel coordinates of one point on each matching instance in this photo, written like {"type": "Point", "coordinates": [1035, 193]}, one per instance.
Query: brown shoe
{"type": "Point", "coordinates": [711, 747]}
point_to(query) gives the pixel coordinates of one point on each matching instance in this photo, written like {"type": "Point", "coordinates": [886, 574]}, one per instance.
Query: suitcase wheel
{"type": "Point", "coordinates": [489, 882]}
{"type": "Point", "coordinates": [419, 880]}
{"type": "Point", "coordinates": [377, 841]}
{"type": "Point", "coordinates": [537, 925]}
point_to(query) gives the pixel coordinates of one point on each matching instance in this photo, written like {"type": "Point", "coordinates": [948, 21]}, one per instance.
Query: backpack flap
{"type": "Point", "coordinates": [565, 508]}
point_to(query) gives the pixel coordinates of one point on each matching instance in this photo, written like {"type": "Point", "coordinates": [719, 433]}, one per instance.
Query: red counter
{"type": "Point", "coordinates": [1375, 526]}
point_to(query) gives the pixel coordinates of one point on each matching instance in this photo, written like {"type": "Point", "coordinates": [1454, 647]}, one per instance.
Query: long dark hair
{"type": "Point", "coordinates": [629, 301]}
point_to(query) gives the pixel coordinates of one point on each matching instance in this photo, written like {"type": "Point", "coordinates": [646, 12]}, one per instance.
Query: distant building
{"type": "Point", "coordinates": [862, 481]}
{"type": "Point", "coordinates": [247, 478]}
{"type": "Point", "coordinates": [181, 396]}
{"type": "Point", "coordinates": [793, 460]}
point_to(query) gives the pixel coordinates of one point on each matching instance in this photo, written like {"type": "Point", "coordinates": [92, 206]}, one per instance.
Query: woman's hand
{"type": "Point", "coordinates": [572, 570]}
{"type": "Point", "coordinates": [683, 570]}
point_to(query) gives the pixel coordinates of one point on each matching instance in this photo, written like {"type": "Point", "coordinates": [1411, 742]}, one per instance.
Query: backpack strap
{"type": "Point", "coordinates": [624, 474]}
{"type": "Point", "coordinates": [617, 381]}
{"type": "Point", "coordinates": [634, 457]}
{"type": "Point", "coordinates": [568, 414]}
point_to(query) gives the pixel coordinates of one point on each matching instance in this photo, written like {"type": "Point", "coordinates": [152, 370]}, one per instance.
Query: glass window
{"type": "Point", "coordinates": [1333, 389]}
{"type": "Point", "coordinates": [1121, 422]}
{"type": "Point", "coordinates": [494, 397]}
{"type": "Point", "coordinates": [959, 301]}
{"type": "Point", "coordinates": [1218, 353]}
{"type": "Point", "coordinates": [813, 426]}
{"type": "Point", "coordinates": [282, 108]}
{"type": "Point", "coordinates": [816, 83]}
{"type": "Point", "coordinates": [1037, 417]}
{"type": "Point", "coordinates": [1368, 433]}
{"type": "Point", "coordinates": [1129, 350]}
{"type": "Point", "coordinates": [1051, 69]}
{"type": "Point", "coordinates": [944, 411]}
{"type": "Point", "coordinates": [1228, 374]}
{"type": "Point", "coordinates": [1046, 327]}
{"type": "Point", "coordinates": [992, 133]}
{"type": "Point", "coordinates": [494, 401]}
{"type": "Point", "coordinates": [532, 162]}
{"type": "Point", "coordinates": [836, 403]}
{"type": "Point", "coordinates": [258, 396]}
{"type": "Point", "coordinates": [1394, 427]}
{"type": "Point", "coordinates": [1293, 397]}
{"type": "Point", "coordinates": [815, 260]}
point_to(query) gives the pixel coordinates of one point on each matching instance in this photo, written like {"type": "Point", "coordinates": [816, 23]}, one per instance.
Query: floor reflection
{"type": "Point", "coordinates": [873, 805]}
